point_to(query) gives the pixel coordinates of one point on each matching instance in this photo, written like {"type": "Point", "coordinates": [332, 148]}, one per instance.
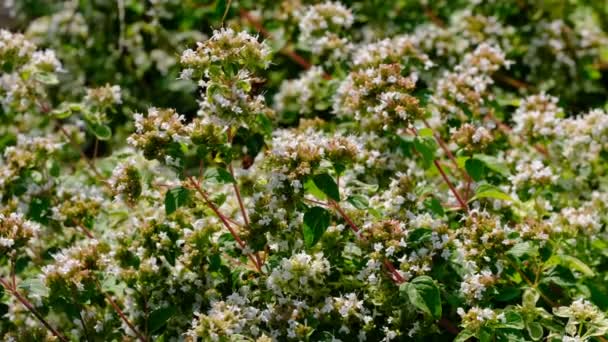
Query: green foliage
{"type": "Point", "coordinates": [316, 221]}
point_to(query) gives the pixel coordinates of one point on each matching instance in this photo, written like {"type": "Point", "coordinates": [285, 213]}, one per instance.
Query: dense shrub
{"type": "Point", "coordinates": [307, 171]}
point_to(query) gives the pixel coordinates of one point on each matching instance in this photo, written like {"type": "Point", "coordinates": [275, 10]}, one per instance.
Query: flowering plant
{"type": "Point", "coordinates": [304, 171]}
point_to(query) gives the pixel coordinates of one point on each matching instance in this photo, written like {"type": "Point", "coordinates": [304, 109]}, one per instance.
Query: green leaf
{"type": "Point", "coordinates": [113, 285]}
{"type": "Point", "coordinates": [219, 175]}
{"type": "Point", "coordinates": [63, 113]}
{"type": "Point", "coordinates": [523, 248]}
{"type": "Point", "coordinates": [311, 188]}
{"type": "Point", "coordinates": [426, 146]}
{"type": "Point", "coordinates": [316, 221]}
{"type": "Point", "coordinates": [425, 132]}
{"type": "Point", "coordinates": [176, 198]}
{"type": "Point", "coordinates": [535, 330]}
{"type": "Point", "coordinates": [434, 205]}
{"type": "Point", "coordinates": [494, 164]}
{"type": "Point", "coordinates": [490, 191]}
{"type": "Point", "coordinates": [513, 320]}
{"type": "Point", "coordinates": [570, 262]}
{"type": "Point", "coordinates": [508, 294]}
{"type": "Point", "coordinates": [530, 298]}
{"type": "Point", "coordinates": [102, 132]}
{"type": "Point", "coordinates": [34, 286]}
{"type": "Point", "coordinates": [423, 293]}
{"type": "Point", "coordinates": [475, 168]}
{"type": "Point", "coordinates": [464, 336]}
{"type": "Point", "coordinates": [47, 78]}
{"type": "Point", "coordinates": [39, 209]}
{"type": "Point", "coordinates": [159, 317]}
{"type": "Point", "coordinates": [358, 201]}
{"type": "Point", "coordinates": [327, 184]}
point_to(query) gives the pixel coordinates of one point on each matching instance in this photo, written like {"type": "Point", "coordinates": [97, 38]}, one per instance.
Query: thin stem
{"type": "Point", "coordinates": [31, 309]}
{"type": "Point", "coordinates": [448, 326]}
{"type": "Point", "coordinates": [238, 195]}
{"type": "Point", "coordinates": [513, 82]}
{"type": "Point", "coordinates": [316, 202]}
{"type": "Point", "coordinates": [395, 275]}
{"type": "Point", "coordinates": [228, 3]}
{"type": "Point", "coordinates": [82, 155]}
{"type": "Point", "coordinates": [447, 151]}
{"type": "Point", "coordinates": [123, 317]}
{"type": "Point", "coordinates": [224, 220]}
{"type": "Point", "coordinates": [462, 203]}
{"type": "Point", "coordinates": [433, 17]}
{"type": "Point", "coordinates": [84, 326]}
{"type": "Point", "coordinates": [243, 210]}
{"type": "Point", "coordinates": [96, 149]}
{"type": "Point", "coordinates": [86, 231]}
{"type": "Point", "coordinates": [508, 131]}
{"type": "Point", "coordinates": [533, 285]}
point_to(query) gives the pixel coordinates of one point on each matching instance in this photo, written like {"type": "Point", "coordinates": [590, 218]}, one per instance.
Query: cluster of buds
{"type": "Point", "coordinates": [401, 49]}
{"type": "Point", "coordinates": [379, 96]}
{"type": "Point", "coordinates": [225, 65]}
{"type": "Point", "coordinates": [156, 131]}
{"type": "Point", "coordinates": [303, 96]}
{"type": "Point", "coordinates": [537, 116]}
{"type": "Point", "coordinates": [321, 27]}
{"type": "Point", "coordinates": [15, 232]}
{"type": "Point", "coordinates": [468, 85]}
{"type": "Point", "coordinates": [471, 138]}
{"type": "Point", "coordinates": [75, 269]}
{"type": "Point", "coordinates": [76, 208]}
{"type": "Point", "coordinates": [584, 320]}
{"type": "Point", "coordinates": [126, 181]}
{"type": "Point", "coordinates": [104, 97]}
{"type": "Point", "coordinates": [29, 155]}
{"type": "Point", "coordinates": [300, 154]}
{"type": "Point", "coordinates": [24, 71]}
{"type": "Point", "coordinates": [297, 273]}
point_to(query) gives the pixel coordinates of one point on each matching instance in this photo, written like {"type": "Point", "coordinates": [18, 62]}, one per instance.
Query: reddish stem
{"type": "Point", "coordinates": [124, 317]}
{"type": "Point", "coordinates": [397, 278]}
{"type": "Point", "coordinates": [31, 309]}
{"type": "Point", "coordinates": [242, 206]}
{"type": "Point", "coordinates": [462, 203]}
{"type": "Point", "coordinates": [224, 220]}
{"type": "Point", "coordinates": [447, 151]}
{"type": "Point", "coordinates": [238, 195]}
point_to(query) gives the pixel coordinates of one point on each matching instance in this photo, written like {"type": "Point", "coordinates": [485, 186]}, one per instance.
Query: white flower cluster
{"type": "Point", "coordinates": [105, 96]}
{"type": "Point", "coordinates": [321, 26]}
{"type": "Point", "coordinates": [24, 72]}
{"type": "Point", "coordinates": [537, 116]}
{"type": "Point", "coordinates": [16, 231]}
{"type": "Point", "coordinates": [378, 96]}
{"type": "Point", "coordinates": [532, 172]}
{"type": "Point", "coordinates": [468, 85]}
{"type": "Point", "coordinates": [402, 48]}
{"type": "Point", "coordinates": [227, 46]}
{"type": "Point", "coordinates": [15, 49]}
{"type": "Point", "coordinates": [583, 138]}
{"type": "Point", "coordinates": [303, 95]}
{"type": "Point", "coordinates": [582, 314]}
{"type": "Point", "coordinates": [298, 274]}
